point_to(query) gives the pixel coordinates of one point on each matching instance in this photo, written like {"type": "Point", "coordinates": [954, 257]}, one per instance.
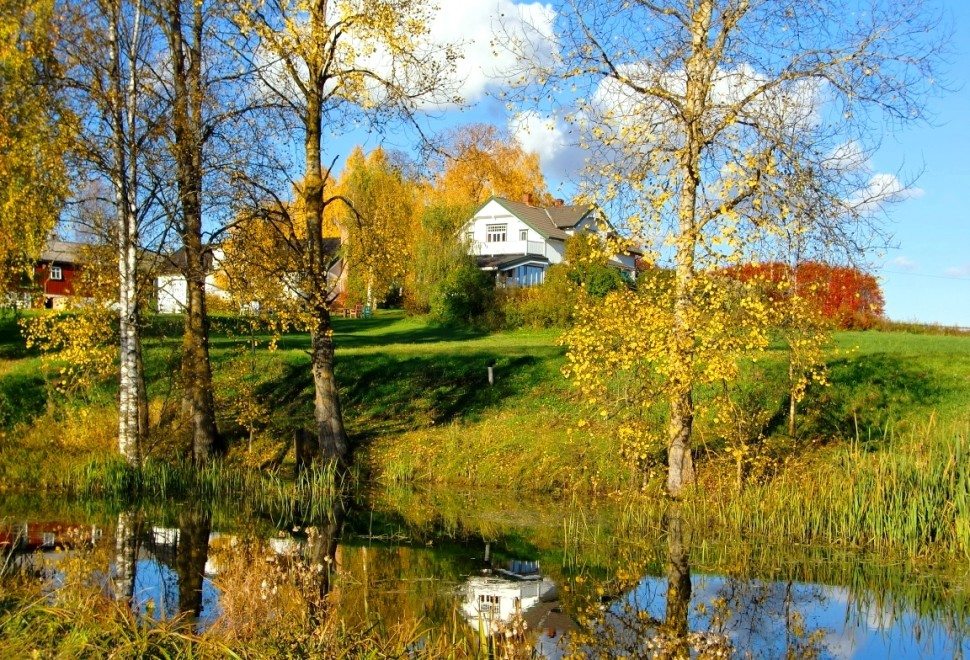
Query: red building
{"type": "Point", "coordinates": [54, 273]}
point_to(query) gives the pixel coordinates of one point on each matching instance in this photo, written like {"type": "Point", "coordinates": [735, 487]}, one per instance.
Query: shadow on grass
{"type": "Point", "coordinates": [361, 333]}
{"type": "Point", "coordinates": [12, 344]}
{"type": "Point", "coordinates": [22, 397]}
{"type": "Point", "coordinates": [382, 394]}
{"type": "Point", "coordinates": [868, 392]}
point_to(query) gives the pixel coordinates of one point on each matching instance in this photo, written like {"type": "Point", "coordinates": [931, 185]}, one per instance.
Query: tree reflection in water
{"type": "Point", "coordinates": [675, 628]}
{"type": "Point", "coordinates": [626, 621]}
{"type": "Point", "coordinates": [191, 555]}
{"type": "Point", "coordinates": [321, 554]}
{"type": "Point", "coordinates": [127, 542]}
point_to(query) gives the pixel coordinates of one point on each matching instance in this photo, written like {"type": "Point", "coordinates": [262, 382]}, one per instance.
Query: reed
{"type": "Point", "coordinates": [911, 494]}
{"type": "Point", "coordinates": [311, 495]}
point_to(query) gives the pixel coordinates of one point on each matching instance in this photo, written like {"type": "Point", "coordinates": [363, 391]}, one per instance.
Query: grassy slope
{"type": "Point", "coordinates": [416, 398]}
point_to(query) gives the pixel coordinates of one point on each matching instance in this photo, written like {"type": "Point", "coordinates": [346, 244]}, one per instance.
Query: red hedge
{"type": "Point", "coordinates": [850, 297]}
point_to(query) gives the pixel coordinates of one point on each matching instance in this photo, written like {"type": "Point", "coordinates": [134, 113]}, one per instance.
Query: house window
{"type": "Point", "coordinates": [523, 234]}
{"type": "Point", "coordinates": [496, 233]}
{"type": "Point", "coordinates": [56, 273]}
{"type": "Point", "coordinates": [470, 236]}
{"type": "Point", "coordinates": [488, 605]}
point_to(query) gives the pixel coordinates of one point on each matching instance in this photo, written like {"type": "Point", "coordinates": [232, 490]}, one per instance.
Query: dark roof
{"type": "Point", "coordinates": [548, 221]}
{"type": "Point", "coordinates": [506, 261]}
{"type": "Point", "coordinates": [62, 251]}
{"type": "Point", "coordinates": [173, 263]}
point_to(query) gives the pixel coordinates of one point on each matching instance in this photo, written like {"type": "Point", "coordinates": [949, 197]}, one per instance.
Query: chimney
{"type": "Point", "coordinates": [527, 199]}
{"type": "Point", "coordinates": [558, 201]}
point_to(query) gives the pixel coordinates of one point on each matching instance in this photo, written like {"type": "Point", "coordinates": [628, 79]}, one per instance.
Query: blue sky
{"type": "Point", "coordinates": [925, 276]}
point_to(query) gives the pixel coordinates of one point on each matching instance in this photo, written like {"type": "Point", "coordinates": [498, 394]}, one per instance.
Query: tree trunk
{"type": "Point", "coordinates": [699, 68]}
{"type": "Point", "coordinates": [131, 378]}
{"type": "Point", "coordinates": [331, 434]}
{"type": "Point", "coordinates": [680, 462]}
{"type": "Point", "coordinates": [792, 402]}
{"type": "Point", "coordinates": [198, 401]}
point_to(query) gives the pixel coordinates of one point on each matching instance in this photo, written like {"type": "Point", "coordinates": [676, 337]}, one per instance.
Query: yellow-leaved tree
{"type": "Point", "coordinates": [35, 132]}
{"type": "Point", "coordinates": [699, 132]}
{"type": "Point", "coordinates": [379, 222]}
{"type": "Point", "coordinates": [482, 162]}
{"type": "Point", "coordinates": [333, 63]}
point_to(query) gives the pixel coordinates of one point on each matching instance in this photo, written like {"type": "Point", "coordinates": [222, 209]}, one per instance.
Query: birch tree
{"type": "Point", "coordinates": [329, 64]}
{"type": "Point", "coordinates": [211, 136]}
{"type": "Point", "coordinates": [117, 120]}
{"type": "Point", "coordinates": [696, 115]}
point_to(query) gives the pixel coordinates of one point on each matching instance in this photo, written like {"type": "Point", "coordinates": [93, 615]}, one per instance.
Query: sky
{"type": "Point", "coordinates": [925, 275]}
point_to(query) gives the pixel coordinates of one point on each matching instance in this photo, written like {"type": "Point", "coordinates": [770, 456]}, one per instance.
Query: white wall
{"type": "Point", "coordinates": [495, 213]}
{"type": "Point", "coordinates": [173, 292]}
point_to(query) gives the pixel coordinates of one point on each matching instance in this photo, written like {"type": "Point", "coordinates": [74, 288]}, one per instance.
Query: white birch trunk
{"type": "Point", "coordinates": [125, 182]}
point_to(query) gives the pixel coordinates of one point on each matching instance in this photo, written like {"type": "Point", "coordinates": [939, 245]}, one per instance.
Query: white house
{"type": "Point", "coordinates": [519, 241]}
{"type": "Point", "coordinates": [171, 287]}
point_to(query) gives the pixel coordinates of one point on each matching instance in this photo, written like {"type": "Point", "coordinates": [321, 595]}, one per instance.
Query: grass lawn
{"type": "Point", "coordinates": [418, 404]}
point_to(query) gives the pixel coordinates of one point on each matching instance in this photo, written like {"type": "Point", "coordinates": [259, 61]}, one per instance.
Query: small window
{"type": "Point", "coordinates": [523, 234]}
{"type": "Point", "coordinates": [57, 273]}
{"type": "Point", "coordinates": [470, 236]}
{"type": "Point", "coordinates": [496, 233]}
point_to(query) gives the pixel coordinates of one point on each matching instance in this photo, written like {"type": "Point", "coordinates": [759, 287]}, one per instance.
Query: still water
{"type": "Point", "coordinates": [562, 579]}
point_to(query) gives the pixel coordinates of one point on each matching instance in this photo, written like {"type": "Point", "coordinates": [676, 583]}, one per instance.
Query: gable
{"type": "Point", "coordinates": [538, 219]}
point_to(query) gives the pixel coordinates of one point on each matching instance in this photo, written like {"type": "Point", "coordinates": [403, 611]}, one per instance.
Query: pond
{"type": "Point", "coordinates": [554, 578]}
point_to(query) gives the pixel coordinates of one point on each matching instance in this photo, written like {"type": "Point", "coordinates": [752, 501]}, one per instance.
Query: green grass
{"type": "Point", "coordinates": [420, 410]}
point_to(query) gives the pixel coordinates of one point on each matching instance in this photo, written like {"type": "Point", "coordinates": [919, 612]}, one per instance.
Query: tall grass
{"type": "Point", "coordinates": [311, 495]}
{"type": "Point", "coordinates": [911, 493]}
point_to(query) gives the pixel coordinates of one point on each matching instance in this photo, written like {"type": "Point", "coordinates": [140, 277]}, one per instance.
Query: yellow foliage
{"type": "Point", "coordinates": [78, 344]}
{"type": "Point", "coordinates": [34, 136]}
{"type": "Point", "coordinates": [619, 351]}
{"type": "Point", "coordinates": [483, 163]}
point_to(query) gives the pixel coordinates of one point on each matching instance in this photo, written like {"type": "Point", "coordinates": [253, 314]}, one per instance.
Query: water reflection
{"type": "Point", "coordinates": [126, 557]}
{"type": "Point", "coordinates": [672, 596]}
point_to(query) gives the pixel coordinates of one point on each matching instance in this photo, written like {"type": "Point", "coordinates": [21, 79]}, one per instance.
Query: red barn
{"type": "Point", "coordinates": [55, 271]}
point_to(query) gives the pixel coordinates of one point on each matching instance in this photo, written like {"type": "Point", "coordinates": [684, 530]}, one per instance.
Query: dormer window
{"type": "Point", "coordinates": [56, 273]}
{"type": "Point", "coordinates": [496, 233]}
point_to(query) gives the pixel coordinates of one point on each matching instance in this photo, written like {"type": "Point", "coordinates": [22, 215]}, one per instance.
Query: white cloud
{"type": "Point", "coordinates": [489, 33]}
{"type": "Point", "coordinates": [903, 262]}
{"type": "Point", "coordinates": [549, 138]}
{"type": "Point", "coordinates": [883, 188]}
{"type": "Point", "coordinates": [847, 157]}
{"type": "Point", "coordinates": [959, 271]}
{"type": "Point", "coordinates": [796, 103]}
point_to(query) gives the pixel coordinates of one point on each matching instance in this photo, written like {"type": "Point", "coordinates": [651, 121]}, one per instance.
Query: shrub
{"type": "Point", "coordinates": [550, 305]}
{"type": "Point", "coordinates": [464, 296]}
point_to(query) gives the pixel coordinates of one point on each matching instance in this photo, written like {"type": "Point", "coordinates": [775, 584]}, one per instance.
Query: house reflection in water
{"type": "Point", "coordinates": [499, 599]}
